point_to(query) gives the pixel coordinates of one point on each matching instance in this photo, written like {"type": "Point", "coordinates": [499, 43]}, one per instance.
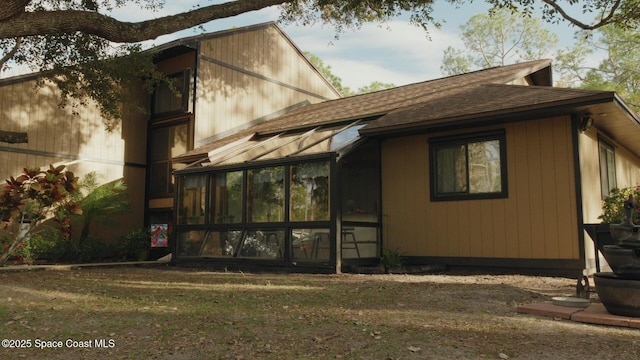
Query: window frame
{"type": "Point", "coordinates": [185, 95]}
{"type": "Point", "coordinates": [439, 142]}
{"type": "Point", "coordinates": [605, 180]}
{"type": "Point", "coordinates": [170, 168]}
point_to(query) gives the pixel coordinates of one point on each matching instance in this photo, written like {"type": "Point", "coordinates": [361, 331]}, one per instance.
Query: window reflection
{"type": "Point", "coordinates": [266, 244]}
{"type": "Point", "coordinates": [310, 191]}
{"type": "Point", "coordinates": [359, 242]}
{"type": "Point", "coordinates": [191, 200]}
{"type": "Point", "coordinates": [226, 198]}
{"type": "Point", "coordinates": [310, 245]}
{"type": "Point", "coordinates": [265, 194]}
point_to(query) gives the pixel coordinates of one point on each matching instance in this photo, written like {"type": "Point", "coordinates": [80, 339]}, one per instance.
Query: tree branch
{"type": "Point", "coordinates": [603, 21]}
{"type": "Point", "coordinates": [11, 8]}
{"type": "Point", "coordinates": [68, 21]}
{"type": "Point", "coordinates": [10, 54]}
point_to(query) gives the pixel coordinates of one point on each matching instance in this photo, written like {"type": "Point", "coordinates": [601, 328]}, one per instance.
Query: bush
{"type": "Point", "coordinates": [391, 257]}
{"type": "Point", "coordinates": [135, 244]}
{"type": "Point", "coordinates": [39, 243]}
{"type": "Point", "coordinates": [93, 249]}
{"type": "Point", "coordinates": [613, 205]}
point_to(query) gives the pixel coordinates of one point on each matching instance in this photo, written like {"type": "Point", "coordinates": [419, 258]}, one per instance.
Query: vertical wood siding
{"type": "Point", "coordinates": [627, 171]}
{"type": "Point", "coordinates": [538, 220]}
{"type": "Point", "coordinates": [248, 75]}
{"type": "Point", "coordinates": [56, 136]}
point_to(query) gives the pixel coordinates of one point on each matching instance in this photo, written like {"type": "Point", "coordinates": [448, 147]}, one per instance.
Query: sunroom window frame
{"type": "Point", "coordinates": [245, 225]}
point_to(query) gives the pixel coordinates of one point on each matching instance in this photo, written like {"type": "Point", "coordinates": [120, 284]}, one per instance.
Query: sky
{"type": "Point", "coordinates": [395, 52]}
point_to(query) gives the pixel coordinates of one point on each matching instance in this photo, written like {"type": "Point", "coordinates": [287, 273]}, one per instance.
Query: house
{"type": "Point", "coordinates": [222, 82]}
{"type": "Point", "coordinates": [494, 169]}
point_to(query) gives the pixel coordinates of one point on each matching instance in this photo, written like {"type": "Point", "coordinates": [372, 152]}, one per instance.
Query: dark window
{"type": "Point", "coordinates": [265, 194]}
{"type": "Point", "coordinates": [226, 197]}
{"type": "Point", "coordinates": [309, 191]}
{"type": "Point", "coordinates": [470, 166]}
{"type": "Point", "coordinates": [607, 168]}
{"type": "Point", "coordinates": [172, 96]}
{"type": "Point", "coordinates": [165, 143]}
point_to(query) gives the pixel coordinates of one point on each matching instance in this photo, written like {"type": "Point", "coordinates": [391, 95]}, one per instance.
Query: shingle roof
{"type": "Point", "coordinates": [483, 101]}
{"type": "Point", "coordinates": [382, 102]}
{"type": "Point", "coordinates": [472, 95]}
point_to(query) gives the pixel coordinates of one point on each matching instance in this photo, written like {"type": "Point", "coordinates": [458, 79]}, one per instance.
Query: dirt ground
{"type": "Point", "coordinates": [168, 313]}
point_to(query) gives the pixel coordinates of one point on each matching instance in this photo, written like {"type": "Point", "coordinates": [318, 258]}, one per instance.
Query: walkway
{"type": "Point", "coordinates": [595, 313]}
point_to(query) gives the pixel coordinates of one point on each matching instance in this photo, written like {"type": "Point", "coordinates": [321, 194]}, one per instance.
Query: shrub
{"type": "Point", "coordinates": [613, 205]}
{"type": "Point", "coordinates": [391, 257]}
{"type": "Point", "coordinates": [135, 243]}
{"type": "Point", "coordinates": [32, 198]}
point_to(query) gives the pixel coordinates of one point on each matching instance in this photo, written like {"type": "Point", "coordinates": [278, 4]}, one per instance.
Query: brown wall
{"type": "Point", "coordinates": [56, 136]}
{"type": "Point", "coordinates": [627, 174]}
{"type": "Point", "coordinates": [627, 171]}
{"type": "Point", "coordinates": [249, 75]}
{"type": "Point", "coordinates": [538, 220]}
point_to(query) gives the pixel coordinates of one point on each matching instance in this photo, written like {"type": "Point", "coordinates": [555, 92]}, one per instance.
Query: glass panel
{"type": "Point", "coordinates": [226, 198]}
{"type": "Point", "coordinates": [179, 141]}
{"type": "Point", "coordinates": [451, 165]}
{"type": "Point", "coordinates": [265, 194]}
{"type": "Point", "coordinates": [310, 192]}
{"type": "Point", "coordinates": [221, 243]}
{"type": "Point", "coordinates": [611, 169]}
{"type": "Point", "coordinates": [168, 99]}
{"type": "Point", "coordinates": [208, 243]}
{"type": "Point", "coordinates": [310, 245]}
{"type": "Point", "coordinates": [607, 169]}
{"type": "Point", "coordinates": [265, 244]}
{"type": "Point", "coordinates": [360, 242]}
{"type": "Point", "coordinates": [158, 178]}
{"type": "Point", "coordinates": [159, 140]}
{"type": "Point", "coordinates": [289, 145]}
{"type": "Point", "coordinates": [191, 200]}
{"type": "Point", "coordinates": [359, 184]}
{"type": "Point", "coordinates": [345, 137]}
{"type": "Point", "coordinates": [165, 143]}
{"type": "Point", "coordinates": [190, 242]}
{"type": "Point", "coordinates": [484, 167]}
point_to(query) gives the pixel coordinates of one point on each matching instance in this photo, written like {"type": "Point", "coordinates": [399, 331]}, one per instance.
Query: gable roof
{"type": "Point", "coordinates": [490, 101]}
{"type": "Point", "coordinates": [478, 96]}
{"type": "Point", "coordinates": [382, 102]}
{"type": "Point", "coordinates": [376, 104]}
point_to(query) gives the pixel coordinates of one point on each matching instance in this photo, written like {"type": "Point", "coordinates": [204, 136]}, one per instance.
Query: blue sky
{"type": "Point", "coordinates": [395, 52]}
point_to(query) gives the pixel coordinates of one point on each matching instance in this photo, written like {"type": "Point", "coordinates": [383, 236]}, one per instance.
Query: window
{"type": "Point", "coordinates": [226, 197]}
{"type": "Point", "coordinates": [165, 143]}
{"type": "Point", "coordinates": [265, 194]}
{"type": "Point", "coordinates": [310, 191]}
{"type": "Point", "coordinates": [468, 167]}
{"type": "Point", "coordinates": [607, 168]}
{"type": "Point", "coordinates": [172, 96]}
{"type": "Point", "coordinates": [191, 202]}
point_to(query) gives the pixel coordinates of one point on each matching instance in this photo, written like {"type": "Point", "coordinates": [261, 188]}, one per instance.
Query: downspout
{"type": "Point", "coordinates": [577, 171]}
{"type": "Point", "coordinates": [336, 214]}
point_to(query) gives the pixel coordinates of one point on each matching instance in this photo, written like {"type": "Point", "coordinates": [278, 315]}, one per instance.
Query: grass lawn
{"type": "Point", "coordinates": [168, 313]}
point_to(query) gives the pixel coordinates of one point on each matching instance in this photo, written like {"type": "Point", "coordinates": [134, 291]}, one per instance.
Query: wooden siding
{"type": "Point", "coordinates": [249, 75]}
{"type": "Point", "coordinates": [538, 220]}
{"type": "Point", "coordinates": [56, 136]}
{"type": "Point", "coordinates": [627, 171]}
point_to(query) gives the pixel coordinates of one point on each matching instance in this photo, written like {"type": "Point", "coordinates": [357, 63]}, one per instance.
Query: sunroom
{"type": "Point", "coordinates": [303, 200]}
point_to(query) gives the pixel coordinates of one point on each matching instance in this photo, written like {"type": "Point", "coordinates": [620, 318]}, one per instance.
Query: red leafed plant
{"type": "Point", "coordinates": [32, 198]}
